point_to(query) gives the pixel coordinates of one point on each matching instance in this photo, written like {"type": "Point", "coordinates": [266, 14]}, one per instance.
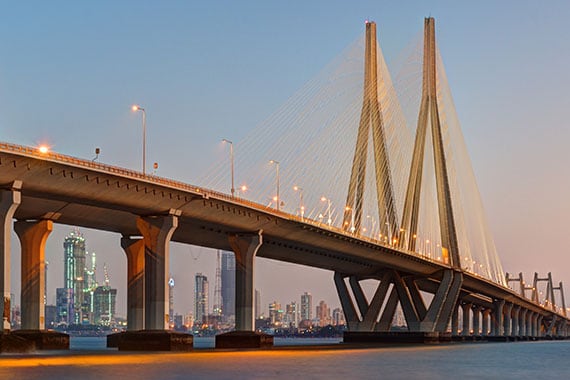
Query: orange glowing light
{"type": "Point", "coordinates": [43, 149]}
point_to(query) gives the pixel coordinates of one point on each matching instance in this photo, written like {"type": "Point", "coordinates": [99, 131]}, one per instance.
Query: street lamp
{"type": "Point", "coordinates": [301, 206]}
{"type": "Point", "coordinates": [325, 199]}
{"type": "Point", "coordinates": [231, 162]}
{"type": "Point", "coordinates": [139, 108]}
{"type": "Point", "coordinates": [243, 189]}
{"type": "Point", "coordinates": [277, 173]}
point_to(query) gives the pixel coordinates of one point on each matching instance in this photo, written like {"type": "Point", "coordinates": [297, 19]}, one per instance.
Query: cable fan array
{"type": "Point", "coordinates": [313, 141]}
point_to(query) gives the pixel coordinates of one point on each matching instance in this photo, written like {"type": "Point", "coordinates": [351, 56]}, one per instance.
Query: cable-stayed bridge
{"type": "Point", "coordinates": [410, 214]}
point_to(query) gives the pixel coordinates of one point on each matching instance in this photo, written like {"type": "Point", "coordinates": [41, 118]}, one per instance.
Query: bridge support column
{"type": "Point", "coordinates": [485, 325]}
{"type": "Point", "coordinates": [515, 321]}
{"type": "Point", "coordinates": [522, 322]}
{"type": "Point", "coordinates": [466, 308]}
{"type": "Point", "coordinates": [156, 232]}
{"type": "Point", "coordinates": [33, 237]}
{"type": "Point", "coordinates": [498, 323]}
{"type": "Point", "coordinates": [539, 326]}
{"type": "Point", "coordinates": [534, 324]}
{"type": "Point", "coordinates": [9, 202]}
{"type": "Point", "coordinates": [476, 320]}
{"type": "Point", "coordinates": [455, 321]}
{"type": "Point", "coordinates": [245, 248]}
{"type": "Point", "coordinates": [507, 319]}
{"type": "Point", "coordinates": [135, 251]}
{"type": "Point", "coordinates": [528, 323]}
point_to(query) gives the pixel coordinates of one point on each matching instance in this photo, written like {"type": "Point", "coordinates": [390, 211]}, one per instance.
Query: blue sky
{"type": "Point", "coordinates": [207, 70]}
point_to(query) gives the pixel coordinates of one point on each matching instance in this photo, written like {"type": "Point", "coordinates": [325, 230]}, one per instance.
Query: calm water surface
{"type": "Point", "coordinates": [88, 359]}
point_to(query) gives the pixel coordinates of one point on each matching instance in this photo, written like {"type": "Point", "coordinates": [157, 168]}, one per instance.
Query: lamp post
{"type": "Point", "coordinates": [231, 162]}
{"type": "Point", "coordinates": [325, 199]}
{"type": "Point", "coordinates": [139, 108]}
{"type": "Point", "coordinates": [301, 206]}
{"type": "Point", "coordinates": [277, 173]}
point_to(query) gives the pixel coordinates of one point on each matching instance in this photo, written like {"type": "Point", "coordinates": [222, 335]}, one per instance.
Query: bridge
{"type": "Point", "coordinates": [462, 278]}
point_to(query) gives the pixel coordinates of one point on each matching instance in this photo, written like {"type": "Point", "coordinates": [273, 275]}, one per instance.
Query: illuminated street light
{"type": "Point", "coordinates": [139, 108]}
{"type": "Point", "coordinates": [231, 162]}
{"type": "Point", "coordinates": [325, 199]}
{"type": "Point", "coordinates": [278, 200]}
{"type": "Point", "coordinates": [43, 149]}
{"type": "Point", "coordinates": [242, 189]}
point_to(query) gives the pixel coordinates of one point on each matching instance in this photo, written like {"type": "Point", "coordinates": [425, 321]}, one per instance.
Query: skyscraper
{"type": "Point", "coordinates": [171, 303]}
{"type": "Point", "coordinates": [306, 306]}
{"type": "Point", "coordinates": [65, 308]}
{"type": "Point", "coordinates": [228, 284]}
{"type": "Point", "coordinates": [201, 299]}
{"type": "Point", "coordinates": [275, 313]}
{"type": "Point", "coordinates": [323, 314]}
{"type": "Point", "coordinates": [74, 271]}
{"type": "Point", "coordinates": [218, 305]}
{"type": "Point", "coordinates": [257, 300]}
{"type": "Point", "coordinates": [338, 317]}
{"type": "Point", "coordinates": [104, 300]}
{"type": "Point", "coordinates": [291, 318]}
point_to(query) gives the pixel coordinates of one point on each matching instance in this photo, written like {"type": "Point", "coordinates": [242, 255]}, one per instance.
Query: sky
{"type": "Point", "coordinates": [207, 70]}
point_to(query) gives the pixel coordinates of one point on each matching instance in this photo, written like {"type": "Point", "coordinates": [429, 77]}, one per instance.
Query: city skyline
{"type": "Point", "coordinates": [518, 155]}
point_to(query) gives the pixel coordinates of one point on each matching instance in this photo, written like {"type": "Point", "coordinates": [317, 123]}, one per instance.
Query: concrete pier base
{"type": "Point", "coordinates": [15, 344]}
{"type": "Point", "coordinates": [44, 339]}
{"type": "Point", "coordinates": [151, 340]}
{"type": "Point", "coordinates": [395, 337]}
{"type": "Point", "coordinates": [244, 339]}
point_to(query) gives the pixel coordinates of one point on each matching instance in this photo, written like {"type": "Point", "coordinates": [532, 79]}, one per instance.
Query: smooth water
{"type": "Point", "coordinates": [88, 359]}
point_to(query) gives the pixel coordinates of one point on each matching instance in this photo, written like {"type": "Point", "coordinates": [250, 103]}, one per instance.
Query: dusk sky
{"type": "Point", "coordinates": [207, 70]}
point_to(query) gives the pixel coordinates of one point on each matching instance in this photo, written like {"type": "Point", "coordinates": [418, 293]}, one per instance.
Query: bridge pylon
{"type": "Point", "coordinates": [371, 121]}
{"type": "Point", "coordinates": [429, 114]}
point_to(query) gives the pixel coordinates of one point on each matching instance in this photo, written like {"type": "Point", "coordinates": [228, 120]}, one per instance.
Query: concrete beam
{"type": "Point", "coordinates": [135, 251]}
{"type": "Point", "coordinates": [245, 247]}
{"type": "Point", "coordinates": [33, 237]}
{"type": "Point", "coordinates": [156, 232]}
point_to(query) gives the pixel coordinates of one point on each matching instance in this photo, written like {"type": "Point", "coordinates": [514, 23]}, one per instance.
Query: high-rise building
{"type": "Point", "coordinates": [306, 306]}
{"type": "Point", "coordinates": [338, 317]}
{"type": "Point", "coordinates": [291, 317]}
{"type": "Point", "coordinates": [201, 299]}
{"type": "Point", "coordinates": [171, 322]}
{"type": "Point", "coordinates": [323, 314]}
{"type": "Point", "coordinates": [228, 284]}
{"type": "Point", "coordinates": [65, 307]}
{"type": "Point", "coordinates": [74, 271]}
{"type": "Point", "coordinates": [218, 306]}
{"type": "Point", "coordinates": [257, 301]}
{"type": "Point", "coordinates": [50, 316]}
{"type": "Point", "coordinates": [104, 300]}
{"type": "Point", "coordinates": [275, 313]}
